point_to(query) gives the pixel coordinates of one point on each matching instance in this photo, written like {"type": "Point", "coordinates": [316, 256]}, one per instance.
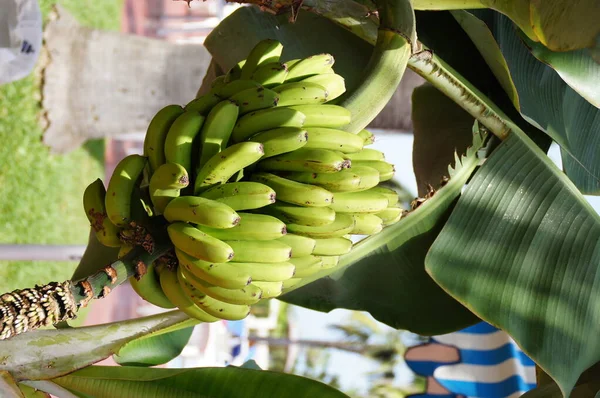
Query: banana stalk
{"type": "Point", "coordinates": [395, 36]}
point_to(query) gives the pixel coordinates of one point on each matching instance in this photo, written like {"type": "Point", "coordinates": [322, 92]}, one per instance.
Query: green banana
{"type": "Point", "coordinates": [197, 210]}
{"type": "Point", "coordinates": [218, 82]}
{"type": "Point", "coordinates": [330, 261]}
{"type": "Point", "coordinates": [366, 154]}
{"type": "Point", "coordinates": [269, 289]}
{"type": "Point", "coordinates": [291, 282]}
{"type": "Point", "coordinates": [125, 248]}
{"type": "Point", "coordinates": [294, 214]}
{"type": "Point", "coordinates": [267, 272]}
{"type": "Point", "coordinates": [178, 144]}
{"type": "Point", "coordinates": [281, 140]}
{"type": "Point", "coordinates": [212, 306]}
{"type": "Point", "coordinates": [309, 66]}
{"type": "Point", "coordinates": [301, 245]}
{"type": "Point", "coordinates": [251, 227]}
{"type": "Point", "coordinates": [386, 170]}
{"type": "Point", "coordinates": [271, 74]}
{"type": "Point", "coordinates": [342, 181]}
{"type": "Point", "coordinates": [306, 160]}
{"type": "Point", "coordinates": [254, 99]}
{"type": "Point", "coordinates": [299, 93]}
{"type": "Point", "coordinates": [390, 194]}
{"type": "Point", "coordinates": [359, 202]}
{"type": "Point", "coordinates": [226, 275]}
{"type": "Point", "coordinates": [120, 189]}
{"type": "Point", "coordinates": [267, 251]}
{"type": "Point", "coordinates": [242, 195]}
{"type": "Point", "coordinates": [203, 104]}
{"type": "Point", "coordinates": [165, 184]}
{"type": "Point", "coordinates": [216, 130]}
{"type": "Point", "coordinates": [265, 52]}
{"type": "Point", "coordinates": [391, 215]}
{"type": "Point", "coordinates": [148, 287]}
{"type": "Point", "coordinates": [233, 87]}
{"type": "Point", "coordinates": [235, 73]}
{"type": "Point", "coordinates": [157, 132]}
{"type": "Point", "coordinates": [367, 136]}
{"type": "Point", "coordinates": [342, 225]}
{"type": "Point", "coordinates": [295, 192]}
{"type": "Point", "coordinates": [333, 83]}
{"type": "Point", "coordinates": [366, 224]}
{"type": "Point", "coordinates": [198, 244]}
{"type": "Point", "coordinates": [246, 295]}
{"type": "Point", "coordinates": [325, 115]}
{"type": "Point", "coordinates": [226, 163]}
{"type": "Point", "coordinates": [335, 140]}
{"type": "Point", "coordinates": [93, 203]}
{"type": "Point", "coordinates": [266, 119]}
{"type": "Point", "coordinates": [369, 177]}
{"type": "Point", "coordinates": [307, 266]}
{"type": "Point", "coordinates": [289, 64]}
{"type": "Point", "coordinates": [170, 286]}
{"type": "Point", "coordinates": [332, 246]}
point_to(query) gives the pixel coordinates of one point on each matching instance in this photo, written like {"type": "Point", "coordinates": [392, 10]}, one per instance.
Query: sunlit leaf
{"type": "Point", "coordinates": [45, 354]}
{"type": "Point", "coordinates": [229, 382]}
{"type": "Point", "coordinates": [577, 68]}
{"type": "Point", "coordinates": [152, 350]}
{"type": "Point", "coordinates": [385, 274]}
{"type": "Point", "coordinates": [9, 387]}
{"type": "Point", "coordinates": [522, 250]}
{"type": "Point", "coordinates": [552, 105]}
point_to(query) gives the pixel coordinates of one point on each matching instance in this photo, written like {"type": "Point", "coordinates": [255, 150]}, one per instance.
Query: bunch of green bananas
{"type": "Point", "coordinates": [257, 185]}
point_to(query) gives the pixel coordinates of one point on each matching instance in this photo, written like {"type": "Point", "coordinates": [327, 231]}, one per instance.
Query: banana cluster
{"type": "Point", "coordinates": [256, 183]}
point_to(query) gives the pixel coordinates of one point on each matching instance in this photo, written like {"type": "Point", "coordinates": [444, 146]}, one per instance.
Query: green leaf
{"type": "Point", "coordinates": [441, 128]}
{"type": "Point", "coordinates": [45, 354]}
{"type": "Point", "coordinates": [229, 382]}
{"type": "Point", "coordinates": [577, 68]}
{"type": "Point", "coordinates": [251, 364]}
{"type": "Point", "coordinates": [236, 35]}
{"type": "Point", "coordinates": [9, 387]}
{"type": "Point", "coordinates": [488, 48]}
{"type": "Point", "coordinates": [30, 392]}
{"type": "Point", "coordinates": [550, 104]}
{"type": "Point", "coordinates": [522, 251]}
{"type": "Point", "coordinates": [385, 274]}
{"type": "Point", "coordinates": [587, 386]}
{"type": "Point", "coordinates": [155, 349]}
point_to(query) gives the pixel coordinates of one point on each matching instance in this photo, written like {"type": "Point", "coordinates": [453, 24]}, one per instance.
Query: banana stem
{"type": "Point", "coordinates": [28, 309]}
{"type": "Point", "coordinates": [395, 37]}
{"type": "Point", "coordinates": [424, 63]}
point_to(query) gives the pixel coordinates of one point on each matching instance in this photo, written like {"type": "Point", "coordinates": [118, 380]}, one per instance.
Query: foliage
{"type": "Point", "coordinates": [518, 247]}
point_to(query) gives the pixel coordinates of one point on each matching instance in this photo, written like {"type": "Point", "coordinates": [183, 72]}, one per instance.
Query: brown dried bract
{"type": "Point", "coordinates": [140, 270]}
{"type": "Point", "coordinates": [111, 273]}
{"type": "Point", "coordinates": [105, 291]}
{"type": "Point", "coordinates": [88, 292]}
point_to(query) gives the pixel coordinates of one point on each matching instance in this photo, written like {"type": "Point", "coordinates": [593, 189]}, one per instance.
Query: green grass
{"type": "Point", "coordinates": [40, 193]}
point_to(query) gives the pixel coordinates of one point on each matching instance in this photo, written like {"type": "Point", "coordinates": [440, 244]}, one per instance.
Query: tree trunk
{"type": "Point", "coordinates": [98, 84]}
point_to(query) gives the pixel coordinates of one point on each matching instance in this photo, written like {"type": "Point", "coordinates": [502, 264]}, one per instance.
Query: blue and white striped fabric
{"type": "Point", "coordinates": [487, 364]}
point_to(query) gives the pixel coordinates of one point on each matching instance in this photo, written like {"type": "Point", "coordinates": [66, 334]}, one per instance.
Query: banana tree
{"type": "Point", "coordinates": [498, 233]}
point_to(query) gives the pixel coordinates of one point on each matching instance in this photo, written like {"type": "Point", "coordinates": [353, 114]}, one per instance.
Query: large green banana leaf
{"type": "Point", "coordinates": [229, 382]}
{"type": "Point", "coordinates": [522, 250]}
{"type": "Point", "coordinates": [549, 104]}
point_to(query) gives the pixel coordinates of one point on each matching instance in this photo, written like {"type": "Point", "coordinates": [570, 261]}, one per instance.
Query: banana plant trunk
{"type": "Point", "coordinates": [99, 84]}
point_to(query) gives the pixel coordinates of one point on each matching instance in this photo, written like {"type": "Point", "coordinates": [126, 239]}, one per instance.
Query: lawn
{"type": "Point", "coordinates": [40, 193]}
